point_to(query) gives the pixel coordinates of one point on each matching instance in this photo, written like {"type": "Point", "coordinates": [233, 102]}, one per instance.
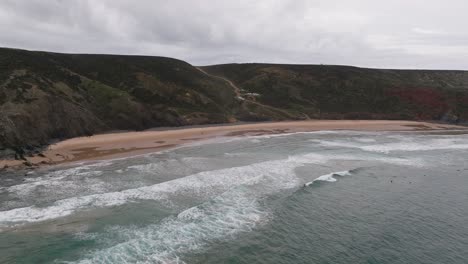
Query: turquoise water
{"type": "Point", "coordinates": [323, 197]}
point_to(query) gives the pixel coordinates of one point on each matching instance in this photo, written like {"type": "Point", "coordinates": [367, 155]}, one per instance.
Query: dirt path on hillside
{"type": "Point", "coordinates": [237, 90]}
{"type": "Point", "coordinates": [238, 93]}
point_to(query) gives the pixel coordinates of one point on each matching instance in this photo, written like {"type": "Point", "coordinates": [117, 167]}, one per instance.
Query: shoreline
{"type": "Point", "coordinates": [126, 144]}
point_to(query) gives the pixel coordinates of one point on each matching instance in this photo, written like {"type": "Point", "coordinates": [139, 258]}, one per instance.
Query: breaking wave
{"type": "Point", "coordinates": [201, 184]}
{"type": "Point", "coordinates": [404, 145]}
{"type": "Point", "coordinates": [204, 184]}
{"type": "Point", "coordinates": [330, 177]}
{"type": "Point", "coordinates": [191, 230]}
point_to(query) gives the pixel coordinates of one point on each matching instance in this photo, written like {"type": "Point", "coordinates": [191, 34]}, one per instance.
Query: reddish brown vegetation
{"type": "Point", "coordinates": [428, 103]}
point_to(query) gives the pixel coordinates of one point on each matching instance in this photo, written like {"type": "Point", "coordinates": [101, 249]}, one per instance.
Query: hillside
{"type": "Point", "coordinates": [45, 96]}
{"type": "Point", "coordinates": [342, 92]}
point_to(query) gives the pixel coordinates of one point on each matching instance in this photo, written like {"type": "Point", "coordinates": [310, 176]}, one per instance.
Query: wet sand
{"type": "Point", "coordinates": [123, 144]}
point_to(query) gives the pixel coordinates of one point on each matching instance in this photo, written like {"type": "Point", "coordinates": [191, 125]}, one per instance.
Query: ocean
{"type": "Point", "coordinates": [319, 197]}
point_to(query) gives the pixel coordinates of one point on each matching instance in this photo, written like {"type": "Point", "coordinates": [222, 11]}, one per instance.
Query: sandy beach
{"type": "Point", "coordinates": [123, 144]}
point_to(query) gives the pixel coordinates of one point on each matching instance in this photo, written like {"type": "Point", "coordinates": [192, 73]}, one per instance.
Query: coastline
{"type": "Point", "coordinates": [127, 144]}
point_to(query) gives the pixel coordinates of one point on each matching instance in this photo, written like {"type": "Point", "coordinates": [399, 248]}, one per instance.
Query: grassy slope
{"type": "Point", "coordinates": [350, 92]}
{"type": "Point", "coordinates": [49, 95]}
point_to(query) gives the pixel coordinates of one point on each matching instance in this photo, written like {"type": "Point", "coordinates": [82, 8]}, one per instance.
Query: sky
{"type": "Point", "coordinates": [430, 34]}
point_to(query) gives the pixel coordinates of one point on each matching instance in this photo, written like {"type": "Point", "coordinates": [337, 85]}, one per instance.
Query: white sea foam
{"type": "Point", "coordinates": [365, 140]}
{"type": "Point", "coordinates": [234, 211]}
{"type": "Point", "coordinates": [56, 179]}
{"type": "Point", "coordinates": [437, 144]}
{"type": "Point", "coordinates": [423, 144]}
{"type": "Point", "coordinates": [205, 183]}
{"type": "Point", "coordinates": [224, 216]}
{"type": "Point", "coordinates": [181, 166]}
{"type": "Point", "coordinates": [329, 177]}
{"type": "Point", "coordinates": [161, 166]}
{"type": "Point", "coordinates": [316, 158]}
{"type": "Point", "coordinates": [255, 139]}
{"type": "Point", "coordinates": [337, 143]}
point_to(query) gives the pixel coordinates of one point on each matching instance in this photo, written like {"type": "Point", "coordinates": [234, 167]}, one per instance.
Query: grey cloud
{"type": "Point", "coordinates": [390, 34]}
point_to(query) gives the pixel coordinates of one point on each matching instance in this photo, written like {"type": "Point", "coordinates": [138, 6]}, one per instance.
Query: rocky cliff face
{"type": "Point", "coordinates": [45, 96]}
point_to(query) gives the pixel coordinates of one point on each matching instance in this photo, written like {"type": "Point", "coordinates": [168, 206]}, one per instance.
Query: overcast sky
{"type": "Point", "coordinates": [371, 33]}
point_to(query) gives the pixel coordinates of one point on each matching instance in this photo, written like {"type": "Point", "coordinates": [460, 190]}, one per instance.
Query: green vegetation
{"type": "Point", "coordinates": [344, 92]}
{"type": "Point", "coordinates": [49, 95]}
{"type": "Point", "coordinates": [44, 95]}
